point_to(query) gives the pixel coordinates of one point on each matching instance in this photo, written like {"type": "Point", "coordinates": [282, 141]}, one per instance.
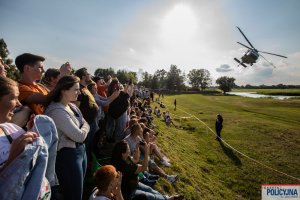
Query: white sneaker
{"type": "Point", "coordinates": [165, 163]}
{"type": "Point", "coordinates": [172, 178]}
{"type": "Point", "coordinates": [165, 158]}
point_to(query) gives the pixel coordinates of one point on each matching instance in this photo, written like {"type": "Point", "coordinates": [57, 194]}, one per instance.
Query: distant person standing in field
{"type": "Point", "coordinates": [219, 126]}
{"type": "Point", "coordinates": [175, 102]}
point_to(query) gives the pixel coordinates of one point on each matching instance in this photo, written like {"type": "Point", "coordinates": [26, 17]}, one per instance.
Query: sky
{"type": "Point", "coordinates": [146, 35]}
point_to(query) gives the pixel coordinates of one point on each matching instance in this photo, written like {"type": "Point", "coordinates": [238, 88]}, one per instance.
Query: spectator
{"type": "Point", "coordinates": [19, 118]}
{"type": "Point", "coordinates": [152, 96]}
{"type": "Point", "coordinates": [131, 187]}
{"type": "Point", "coordinates": [108, 184]}
{"type": "Point", "coordinates": [117, 113]}
{"type": "Point", "coordinates": [23, 164]}
{"type": "Point", "coordinates": [72, 131]}
{"type": "Point", "coordinates": [219, 126]}
{"type": "Point", "coordinates": [101, 85]}
{"type": "Point", "coordinates": [134, 140]}
{"type": "Point", "coordinates": [162, 105]}
{"type": "Point", "coordinates": [65, 69]}
{"type": "Point", "coordinates": [50, 78]}
{"type": "Point", "coordinates": [175, 103]}
{"type": "Point", "coordinates": [101, 101]}
{"type": "Point", "coordinates": [32, 93]}
{"type": "Point", "coordinates": [88, 106]}
{"type": "Point", "coordinates": [158, 113]}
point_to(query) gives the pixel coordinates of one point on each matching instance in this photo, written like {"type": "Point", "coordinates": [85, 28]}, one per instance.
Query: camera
{"type": "Point", "coordinates": [142, 143]}
{"type": "Point", "coordinates": [116, 87]}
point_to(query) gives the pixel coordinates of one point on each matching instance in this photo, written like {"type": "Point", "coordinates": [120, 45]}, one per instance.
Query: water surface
{"type": "Point", "coordinates": [255, 95]}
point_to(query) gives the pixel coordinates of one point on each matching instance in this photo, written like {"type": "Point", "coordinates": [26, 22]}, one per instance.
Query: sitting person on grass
{"type": "Point", "coordinates": [131, 187]}
{"type": "Point", "coordinates": [134, 142]}
{"type": "Point", "coordinates": [108, 184]}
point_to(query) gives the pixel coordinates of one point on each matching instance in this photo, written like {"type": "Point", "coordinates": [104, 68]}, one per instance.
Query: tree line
{"type": "Point", "coordinates": [172, 80]}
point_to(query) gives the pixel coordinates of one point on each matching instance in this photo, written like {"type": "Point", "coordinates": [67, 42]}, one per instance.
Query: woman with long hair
{"type": "Point", "coordinates": [72, 131]}
{"type": "Point", "coordinates": [117, 117]}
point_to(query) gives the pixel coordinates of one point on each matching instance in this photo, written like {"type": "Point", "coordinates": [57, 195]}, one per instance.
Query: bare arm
{"type": "Point", "coordinates": [129, 89]}
{"type": "Point", "coordinates": [113, 96]}
{"type": "Point", "coordinates": [37, 98]}
{"type": "Point", "coordinates": [144, 166]}
{"type": "Point", "coordinates": [136, 154]}
{"type": "Point", "coordinates": [18, 145]}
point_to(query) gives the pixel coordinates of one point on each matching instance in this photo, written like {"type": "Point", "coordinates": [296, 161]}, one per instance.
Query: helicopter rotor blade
{"type": "Point", "coordinates": [267, 61]}
{"type": "Point", "coordinates": [244, 45]}
{"type": "Point", "coordinates": [273, 54]}
{"type": "Point", "coordinates": [245, 37]}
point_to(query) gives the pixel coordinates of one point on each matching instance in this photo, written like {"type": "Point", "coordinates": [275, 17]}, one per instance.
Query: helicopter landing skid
{"type": "Point", "coordinates": [240, 63]}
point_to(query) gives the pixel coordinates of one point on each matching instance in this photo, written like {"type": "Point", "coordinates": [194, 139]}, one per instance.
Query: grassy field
{"type": "Point", "coordinates": [288, 92]}
{"type": "Point", "coordinates": [265, 129]}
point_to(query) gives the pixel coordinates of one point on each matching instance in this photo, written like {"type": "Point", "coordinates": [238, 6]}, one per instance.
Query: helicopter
{"type": "Point", "coordinates": [252, 54]}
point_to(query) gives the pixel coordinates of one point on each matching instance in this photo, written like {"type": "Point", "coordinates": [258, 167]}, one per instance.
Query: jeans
{"type": "Point", "coordinates": [70, 169]}
{"type": "Point", "coordinates": [150, 193]}
{"type": "Point", "coordinates": [23, 177]}
{"type": "Point", "coordinates": [89, 142]}
{"type": "Point", "coordinates": [44, 126]}
{"type": "Point", "coordinates": [115, 127]}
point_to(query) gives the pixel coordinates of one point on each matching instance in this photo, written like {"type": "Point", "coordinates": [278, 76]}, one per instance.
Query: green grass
{"type": "Point", "coordinates": [287, 92]}
{"type": "Point", "coordinates": [265, 129]}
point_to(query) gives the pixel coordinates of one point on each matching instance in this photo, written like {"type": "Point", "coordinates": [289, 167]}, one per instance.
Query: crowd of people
{"type": "Point", "coordinates": [50, 125]}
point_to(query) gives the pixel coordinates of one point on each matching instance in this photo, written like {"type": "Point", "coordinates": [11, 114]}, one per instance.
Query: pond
{"type": "Point", "coordinates": [255, 95]}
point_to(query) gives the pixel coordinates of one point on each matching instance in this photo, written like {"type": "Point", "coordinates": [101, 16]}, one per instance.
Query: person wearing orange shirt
{"type": "Point", "coordinates": [102, 88]}
{"type": "Point", "coordinates": [32, 94]}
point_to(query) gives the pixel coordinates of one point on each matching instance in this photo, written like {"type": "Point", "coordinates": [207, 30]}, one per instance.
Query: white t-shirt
{"type": "Point", "coordinates": [14, 131]}
{"type": "Point", "coordinates": [95, 197]}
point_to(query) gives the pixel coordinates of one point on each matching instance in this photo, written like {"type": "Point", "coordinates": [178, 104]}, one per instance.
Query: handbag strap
{"type": "Point", "coordinates": [6, 134]}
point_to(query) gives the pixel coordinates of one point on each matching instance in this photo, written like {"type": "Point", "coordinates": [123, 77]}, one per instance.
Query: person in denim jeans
{"type": "Point", "coordinates": [72, 131]}
{"type": "Point", "coordinates": [117, 113]}
{"type": "Point", "coordinates": [89, 109]}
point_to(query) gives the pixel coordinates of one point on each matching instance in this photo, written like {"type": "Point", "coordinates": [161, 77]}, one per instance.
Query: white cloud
{"type": "Point", "coordinates": [224, 68]}
{"type": "Point", "coordinates": [184, 33]}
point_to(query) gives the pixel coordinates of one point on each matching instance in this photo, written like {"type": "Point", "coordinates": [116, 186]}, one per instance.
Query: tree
{"type": "Point", "coordinates": [199, 78]}
{"type": "Point", "coordinates": [124, 76]}
{"type": "Point", "coordinates": [161, 77]}
{"type": "Point", "coordinates": [147, 78]}
{"type": "Point", "coordinates": [225, 83]}
{"type": "Point", "coordinates": [13, 72]}
{"type": "Point", "coordinates": [104, 72]}
{"type": "Point", "coordinates": [154, 84]}
{"type": "Point", "coordinates": [175, 79]}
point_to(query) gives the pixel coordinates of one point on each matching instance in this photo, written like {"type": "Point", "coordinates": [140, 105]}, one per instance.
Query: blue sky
{"type": "Point", "coordinates": [146, 35]}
